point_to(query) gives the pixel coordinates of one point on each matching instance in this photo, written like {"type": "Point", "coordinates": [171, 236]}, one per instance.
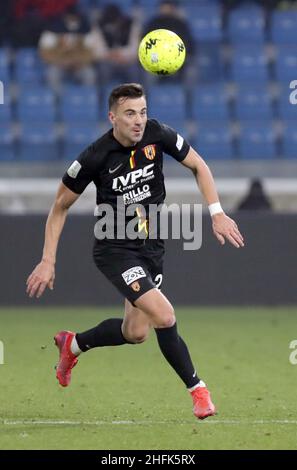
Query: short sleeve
{"type": "Point", "coordinates": [173, 143]}
{"type": "Point", "coordinates": [81, 172]}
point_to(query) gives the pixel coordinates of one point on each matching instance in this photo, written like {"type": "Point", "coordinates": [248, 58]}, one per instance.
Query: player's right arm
{"type": "Point", "coordinates": [44, 273]}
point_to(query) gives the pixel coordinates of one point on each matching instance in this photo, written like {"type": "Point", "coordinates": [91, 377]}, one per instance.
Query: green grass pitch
{"type": "Point", "coordinates": [128, 397]}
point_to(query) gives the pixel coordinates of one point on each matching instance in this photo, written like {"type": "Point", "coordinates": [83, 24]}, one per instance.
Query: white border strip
{"type": "Point", "coordinates": [51, 422]}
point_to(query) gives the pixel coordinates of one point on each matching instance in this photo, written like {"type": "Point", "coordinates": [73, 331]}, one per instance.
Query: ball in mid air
{"type": "Point", "coordinates": [161, 52]}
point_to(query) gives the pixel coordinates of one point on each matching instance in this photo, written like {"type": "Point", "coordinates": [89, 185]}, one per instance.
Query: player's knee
{"type": "Point", "coordinates": [167, 319]}
{"type": "Point", "coordinates": [137, 337]}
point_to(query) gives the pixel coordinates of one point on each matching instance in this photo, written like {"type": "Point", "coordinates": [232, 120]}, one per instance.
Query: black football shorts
{"type": "Point", "coordinates": [132, 269]}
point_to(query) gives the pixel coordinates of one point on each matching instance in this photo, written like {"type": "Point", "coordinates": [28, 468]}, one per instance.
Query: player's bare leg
{"type": "Point", "coordinates": [161, 315]}
{"type": "Point", "coordinates": [136, 324]}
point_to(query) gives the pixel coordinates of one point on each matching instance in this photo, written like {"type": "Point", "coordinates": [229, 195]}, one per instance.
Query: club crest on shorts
{"type": "Point", "coordinates": [135, 286]}
{"type": "Point", "coordinates": [132, 274]}
{"type": "Point", "coordinates": [150, 151]}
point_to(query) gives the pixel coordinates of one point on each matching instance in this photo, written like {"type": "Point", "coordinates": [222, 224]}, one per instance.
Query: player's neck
{"type": "Point", "coordinates": [122, 140]}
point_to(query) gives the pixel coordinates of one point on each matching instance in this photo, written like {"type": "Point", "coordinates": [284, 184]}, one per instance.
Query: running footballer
{"type": "Point", "coordinates": [125, 164]}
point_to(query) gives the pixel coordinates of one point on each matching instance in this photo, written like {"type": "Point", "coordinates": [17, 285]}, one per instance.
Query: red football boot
{"type": "Point", "coordinates": [203, 406]}
{"type": "Point", "coordinates": [67, 359]}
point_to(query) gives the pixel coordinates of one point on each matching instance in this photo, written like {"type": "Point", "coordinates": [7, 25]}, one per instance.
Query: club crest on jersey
{"type": "Point", "coordinates": [135, 286]}
{"type": "Point", "coordinates": [150, 151]}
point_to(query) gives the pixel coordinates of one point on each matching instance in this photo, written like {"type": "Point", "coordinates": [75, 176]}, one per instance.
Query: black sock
{"type": "Point", "coordinates": [107, 333]}
{"type": "Point", "coordinates": [175, 351]}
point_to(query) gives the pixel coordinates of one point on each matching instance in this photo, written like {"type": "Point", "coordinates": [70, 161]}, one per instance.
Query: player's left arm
{"type": "Point", "coordinates": [224, 227]}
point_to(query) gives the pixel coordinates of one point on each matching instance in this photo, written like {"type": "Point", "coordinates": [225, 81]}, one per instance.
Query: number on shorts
{"type": "Point", "coordinates": [158, 280]}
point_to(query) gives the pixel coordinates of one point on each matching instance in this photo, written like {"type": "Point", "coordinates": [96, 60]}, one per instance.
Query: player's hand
{"type": "Point", "coordinates": [225, 228]}
{"type": "Point", "coordinates": [43, 276]}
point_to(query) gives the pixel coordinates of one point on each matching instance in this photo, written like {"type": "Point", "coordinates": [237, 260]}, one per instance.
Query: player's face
{"type": "Point", "coordinates": [129, 120]}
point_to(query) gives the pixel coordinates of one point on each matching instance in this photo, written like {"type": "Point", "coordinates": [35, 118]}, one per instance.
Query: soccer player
{"type": "Point", "coordinates": [126, 163]}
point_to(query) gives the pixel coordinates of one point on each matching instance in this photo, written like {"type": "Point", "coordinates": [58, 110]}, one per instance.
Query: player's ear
{"type": "Point", "coordinates": [111, 117]}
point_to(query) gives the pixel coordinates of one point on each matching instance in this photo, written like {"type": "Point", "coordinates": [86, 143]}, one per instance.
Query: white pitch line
{"type": "Point", "coordinates": [50, 422]}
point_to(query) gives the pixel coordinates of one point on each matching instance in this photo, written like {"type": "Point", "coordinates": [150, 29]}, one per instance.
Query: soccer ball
{"type": "Point", "coordinates": [161, 52]}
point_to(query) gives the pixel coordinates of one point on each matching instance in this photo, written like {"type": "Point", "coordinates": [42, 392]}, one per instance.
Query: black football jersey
{"type": "Point", "coordinates": [134, 174]}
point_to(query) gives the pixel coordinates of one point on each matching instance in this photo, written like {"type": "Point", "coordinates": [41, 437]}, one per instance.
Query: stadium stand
{"type": "Point", "coordinates": [36, 105]}
{"type": "Point", "coordinates": [244, 20]}
{"type": "Point", "coordinates": [238, 110]}
{"type": "Point", "coordinates": [77, 137]}
{"type": "Point", "coordinates": [28, 67]}
{"type": "Point", "coordinates": [79, 104]}
{"type": "Point", "coordinates": [257, 140]}
{"type": "Point", "coordinates": [7, 142]}
{"type": "Point", "coordinates": [210, 103]}
{"type": "Point", "coordinates": [38, 142]}
{"type": "Point", "coordinates": [215, 141]}
{"type": "Point", "coordinates": [162, 105]}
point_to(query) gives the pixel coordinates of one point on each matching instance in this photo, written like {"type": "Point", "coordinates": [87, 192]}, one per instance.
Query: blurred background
{"type": "Point", "coordinates": [233, 100]}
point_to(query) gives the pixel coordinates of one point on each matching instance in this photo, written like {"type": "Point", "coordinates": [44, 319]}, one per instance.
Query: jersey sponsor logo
{"type": "Point", "coordinates": [132, 274]}
{"type": "Point", "coordinates": [112, 170]}
{"type": "Point", "coordinates": [136, 195]}
{"type": "Point", "coordinates": [135, 286]}
{"type": "Point", "coordinates": [150, 151]}
{"type": "Point", "coordinates": [74, 169]}
{"type": "Point", "coordinates": [179, 142]}
{"type": "Point", "coordinates": [121, 182]}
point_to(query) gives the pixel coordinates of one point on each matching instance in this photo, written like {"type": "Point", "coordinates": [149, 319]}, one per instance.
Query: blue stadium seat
{"type": "Point", "coordinates": [165, 101]}
{"type": "Point", "coordinates": [210, 63]}
{"type": "Point", "coordinates": [5, 111]}
{"type": "Point", "coordinates": [79, 103]}
{"type": "Point", "coordinates": [257, 141]}
{"type": "Point", "coordinates": [284, 27]}
{"type": "Point", "coordinates": [253, 103]}
{"type": "Point", "coordinates": [289, 140]}
{"type": "Point", "coordinates": [286, 64]}
{"type": "Point", "coordinates": [36, 104]}
{"type": "Point", "coordinates": [286, 109]}
{"type": "Point", "coordinates": [38, 142]}
{"type": "Point", "coordinates": [77, 137]}
{"type": "Point", "coordinates": [210, 103]}
{"type": "Point", "coordinates": [249, 64]}
{"type": "Point", "coordinates": [7, 142]}
{"type": "Point", "coordinates": [29, 68]}
{"type": "Point", "coordinates": [214, 142]}
{"type": "Point", "coordinates": [4, 66]}
{"type": "Point", "coordinates": [246, 25]}
{"type": "Point", "coordinates": [205, 21]}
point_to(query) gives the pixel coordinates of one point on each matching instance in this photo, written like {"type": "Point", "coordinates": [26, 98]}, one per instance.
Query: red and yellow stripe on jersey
{"type": "Point", "coordinates": [142, 222]}
{"type": "Point", "coordinates": [132, 160]}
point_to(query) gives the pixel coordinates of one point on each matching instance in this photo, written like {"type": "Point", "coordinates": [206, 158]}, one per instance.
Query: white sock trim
{"type": "Point", "coordinates": [74, 347]}
{"type": "Point", "coordinates": [199, 384]}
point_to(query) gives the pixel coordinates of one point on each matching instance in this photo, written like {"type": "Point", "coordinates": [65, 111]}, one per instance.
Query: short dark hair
{"type": "Point", "coordinates": [126, 90]}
